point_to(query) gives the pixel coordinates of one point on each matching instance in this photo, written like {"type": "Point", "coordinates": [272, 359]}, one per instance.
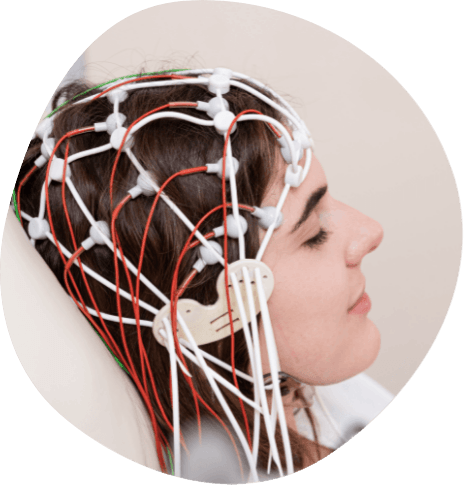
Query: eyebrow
{"type": "Point", "coordinates": [311, 203]}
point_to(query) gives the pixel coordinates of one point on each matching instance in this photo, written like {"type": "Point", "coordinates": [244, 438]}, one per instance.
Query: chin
{"type": "Point", "coordinates": [358, 360]}
{"type": "Point", "coordinates": [372, 347]}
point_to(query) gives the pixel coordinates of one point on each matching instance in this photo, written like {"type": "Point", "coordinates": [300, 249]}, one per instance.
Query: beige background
{"type": "Point", "coordinates": [379, 152]}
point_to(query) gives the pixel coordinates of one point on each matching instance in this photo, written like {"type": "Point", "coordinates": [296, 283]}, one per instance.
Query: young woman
{"type": "Point", "coordinates": [313, 247]}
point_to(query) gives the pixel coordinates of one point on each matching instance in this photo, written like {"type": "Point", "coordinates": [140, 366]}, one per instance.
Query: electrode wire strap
{"type": "Point", "coordinates": [249, 343]}
{"type": "Point", "coordinates": [259, 370]}
{"type": "Point", "coordinates": [275, 369]}
{"type": "Point", "coordinates": [175, 397]}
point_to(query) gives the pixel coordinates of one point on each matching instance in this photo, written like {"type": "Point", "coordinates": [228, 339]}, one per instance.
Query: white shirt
{"type": "Point", "coordinates": [349, 406]}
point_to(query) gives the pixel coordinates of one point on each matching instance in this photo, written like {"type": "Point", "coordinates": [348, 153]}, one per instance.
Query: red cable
{"type": "Point", "coordinates": [141, 346]}
{"type": "Point", "coordinates": [135, 310]}
{"type": "Point", "coordinates": [84, 277]}
{"type": "Point", "coordinates": [171, 76]}
{"type": "Point", "coordinates": [145, 397]}
{"type": "Point", "coordinates": [67, 135]}
{"type": "Point", "coordinates": [116, 271]}
{"type": "Point", "coordinates": [209, 235]}
{"type": "Point", "coordinates": [116, 350]}
{"type": "Point", "coordinates": [186, 282]}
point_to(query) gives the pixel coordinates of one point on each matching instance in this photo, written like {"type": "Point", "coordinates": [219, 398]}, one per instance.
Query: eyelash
{"type": "Point", "coordinates": [318, 240]}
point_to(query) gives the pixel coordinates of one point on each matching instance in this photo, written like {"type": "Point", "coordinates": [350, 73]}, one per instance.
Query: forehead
{"type": "Point", "coordinates": [297, 196]}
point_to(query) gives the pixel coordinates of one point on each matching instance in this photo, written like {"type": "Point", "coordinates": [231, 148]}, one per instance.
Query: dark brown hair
{"type": "Point", "coordinates": [163, 147]}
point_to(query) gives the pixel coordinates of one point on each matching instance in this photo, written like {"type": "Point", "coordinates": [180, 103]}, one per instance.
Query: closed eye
{"type": "Point", "coordinates": [318, 240]}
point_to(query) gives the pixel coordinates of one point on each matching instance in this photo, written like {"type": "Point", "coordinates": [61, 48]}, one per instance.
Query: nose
{"type": "Point", "coordinates": [365, 235]}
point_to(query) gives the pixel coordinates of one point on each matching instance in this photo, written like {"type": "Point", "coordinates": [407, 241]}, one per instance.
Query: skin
{"type": "Point", "coordinates": [318, 341]}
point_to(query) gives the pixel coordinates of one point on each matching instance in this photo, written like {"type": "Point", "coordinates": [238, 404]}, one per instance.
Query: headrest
{"type": "Point", "coordinates": [64, 357]}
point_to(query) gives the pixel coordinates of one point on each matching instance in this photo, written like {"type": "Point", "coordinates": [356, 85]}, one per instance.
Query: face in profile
{"type": "Point", "coordinates": [319, 307]}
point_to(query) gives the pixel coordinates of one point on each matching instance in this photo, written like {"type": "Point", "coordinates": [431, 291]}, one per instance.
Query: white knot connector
{"type": "Point", "coordinates": [218, 82]}
{"type": "Point", "coordinates": [267, 215]}
{"type": "Point", "coordinates": [118, 94]}
{"type": "Point", "coordinates": [232, 227]}
{"type": "Point", "coordinates": [145, 186]}
{"type": "Point", "coordinates": [97, 235]}
{"type": "Point", "coordinates": [293, 178]}
{"type": "Point", "coordinates": [38, 228]}
{"type": "Point", "coordinates": [207, 256]}
{"type": "Point", "coordinates": [285, 150]}
{"type": "Point", "coordinates": [213, 106]}
{"type": "Point", "coordinates": [304, 140]}
{"type": "Point", "coordinates": [45, 149]}
{"type": "Point", "coordinates": [111, 123]}
{"type": "Point", "coordinates": [217, 167]}
{"type": "Point", "coordinates": [117, 137]}
{"type": "Point", "coordinates": [56, 170]}
{"type": "Point", "coordinates": [223, 120]}
{"type": "Point", "coordinates": [44, 128]}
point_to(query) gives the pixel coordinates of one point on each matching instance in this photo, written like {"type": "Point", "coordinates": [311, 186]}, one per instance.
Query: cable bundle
{"type": "Point", "coordinates": [244, 286]}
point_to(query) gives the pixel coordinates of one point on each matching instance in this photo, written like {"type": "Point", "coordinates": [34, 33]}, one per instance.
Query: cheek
{"type": "Point", "coordinates": [307, 306]}
{"type": "Point", "coordinates": [317, 341]}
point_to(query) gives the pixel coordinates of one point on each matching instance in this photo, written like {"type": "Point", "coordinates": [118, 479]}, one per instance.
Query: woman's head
{"type": "Point", "coordinates": [319, 338]}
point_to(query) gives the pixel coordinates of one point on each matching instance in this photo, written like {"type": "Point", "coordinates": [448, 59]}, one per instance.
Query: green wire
{"type": "Point", "coordinates": [109, 82]}
{"type": "Point", "coordinates": [16, 205]}
{"type": "Point", "coordinates": [112, 353]}
{"type": "Point", "coordinates": [170, 461]}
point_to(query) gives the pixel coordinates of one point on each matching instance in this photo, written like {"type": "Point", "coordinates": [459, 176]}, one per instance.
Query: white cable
{"type": "Point", "coordinates": [267, 100]}
{"type": "Point", "coordinates": [233, 189]}
{"type": "Point", "coordinates": [42, 203]}
{"type": "Point", "coordinates": [175, 397]}
{"type": "Point", "coordinates": [280, 127]}
{"type": "Point", "coordinates": [220, 379]}
{"type": "Point", "coordinates": [26, 216]}
{"type": "Point", "coordinates": [97, 277]}
{"type": "Point", "coordinates": [91, 151]}
{"type": "Point", "coordinates": [309, 157]}
{"type": "Point", "coordinates": [273, 422]}
{"type": "Point", "coordinates": [116, 110]}
{"type": "Point", "coordinates": [274, 368]}
{"type": "Point", "coordinates": [234, 200]}
{"type": "Point", "coordinates": [271, 228]}
{"type": "Point", "coordinates": [115, 318]}
{"type": "Point", "coordinates": [217, 361]}
{"type": "Point", "coordinates": [153, 84]}
{"type": "Point", "coordinates": [328, 415]}
{"type": "Point", "coordinates": [170, 114]}
{"type": "Point", "coordinates": [156, 84]}
{"type": "Point", "coordinates": [277, 96]}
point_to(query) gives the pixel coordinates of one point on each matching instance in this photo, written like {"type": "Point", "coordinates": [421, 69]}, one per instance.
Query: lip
{"type": "Point", "coordinates": [362, 305]}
